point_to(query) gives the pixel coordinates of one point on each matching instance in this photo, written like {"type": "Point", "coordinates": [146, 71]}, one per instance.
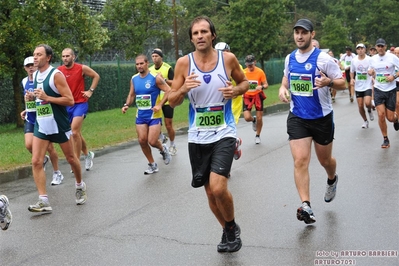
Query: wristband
{"type": "Point", "coordinates": [92, 90]}
{"type": "Point", "coordinates": [125, 105]}
{"type": "Point", "coordinates": [395, 76]}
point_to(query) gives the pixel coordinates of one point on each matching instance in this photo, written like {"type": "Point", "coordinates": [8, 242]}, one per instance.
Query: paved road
{"type": "Point", "coordinates": [133, 219]}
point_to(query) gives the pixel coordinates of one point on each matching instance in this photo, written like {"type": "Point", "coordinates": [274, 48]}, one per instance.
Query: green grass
{"type": "Point", "coordinates": [100, 129]}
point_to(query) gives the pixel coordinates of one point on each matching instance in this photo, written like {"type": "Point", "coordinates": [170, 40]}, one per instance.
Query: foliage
{"type": "Point", "coordinates": [333, 27]}
{"type": "Point", "coordinates": [136, 21]}
{"type": "Point", "coordinates": [57, 23]}
{"type": "Point", "coordinates": [255, 25]}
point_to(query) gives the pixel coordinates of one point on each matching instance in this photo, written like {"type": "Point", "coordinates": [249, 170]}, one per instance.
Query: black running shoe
{"type": "Point", "coordinates": [222, 246]}
{"type": "Point", "coordinates": [385, 144]}
{"type": "Point", "coordinates": [233, 239]}
{"type": "Point", "coordinates": [396, 125]}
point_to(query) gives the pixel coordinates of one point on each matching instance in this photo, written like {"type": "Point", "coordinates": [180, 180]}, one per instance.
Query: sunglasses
{"type": "Point", "coordinates": [29, 65]}
{"type": "Point", "coordinates": [380, 45]}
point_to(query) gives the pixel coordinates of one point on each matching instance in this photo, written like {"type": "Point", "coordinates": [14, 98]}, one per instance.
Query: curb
{"type": "Point", "coordinates": [26, 171]}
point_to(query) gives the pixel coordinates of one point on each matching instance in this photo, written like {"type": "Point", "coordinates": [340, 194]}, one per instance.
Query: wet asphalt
{"type": "Point", "coordinates": [136, 219]}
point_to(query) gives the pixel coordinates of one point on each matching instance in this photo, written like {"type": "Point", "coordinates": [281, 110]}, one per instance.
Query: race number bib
{"type": "Point", "coordinates": [143, 102]}
{"type": "Point", "coordinates": [209, 117]}
{"type": "Point", "coordinates": [252, 85]}
{"type": "Point", "coordinates": [30, 106]}
{"type": "Point", "coordinates": [301, 85]}
{"type": "Point", "coordinates": [43, 109]}
{"type": "Point", "coordinates": [382, 78]}
{"type": "Point", "coordinates": [361, 76]}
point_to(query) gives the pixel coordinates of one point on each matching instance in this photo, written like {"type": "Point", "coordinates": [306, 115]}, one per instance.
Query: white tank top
{"type": "Point", "coordinates": [210, 115]}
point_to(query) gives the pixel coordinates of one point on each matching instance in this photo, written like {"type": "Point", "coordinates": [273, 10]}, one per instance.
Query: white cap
{"type": "Point", "coordinates": [222, 46]}
{"type": "Point", "coordinates": [360, 45]}
{"type": "Point", "coordinates": [28, 60]}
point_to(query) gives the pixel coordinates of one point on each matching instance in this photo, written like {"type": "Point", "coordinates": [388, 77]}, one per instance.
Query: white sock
{"type": "Point", "coordinates": [172, 143]}
{"type": "Point", "coordinates": [43, 198]}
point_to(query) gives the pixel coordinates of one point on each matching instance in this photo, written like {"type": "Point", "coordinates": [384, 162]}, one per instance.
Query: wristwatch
{"type": "Point", "coordinates": [331, 83]}
{"type": "Point", "coordinates": [92, 90]}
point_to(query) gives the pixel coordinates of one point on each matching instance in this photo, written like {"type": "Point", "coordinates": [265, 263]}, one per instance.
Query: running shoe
{"type": "Point", "coordinates": [305, 213]}
{"type": "Point", "coordinates": [333, 99]}
{"type": "Point", "coordinates": [254, 124]}
{"type": "Point", "coordinates": [233, 239]}
{"type": "Point", "coordinates": [45, 161]}
{"type": "Point", "coordinates": [371, 115]}
{"type": "Point", "coordinates": [80, 194]}
{"type": "Point", "coordinates": [5, 213]}
{"type": "Point", "coordinates": [257, 139]}
{"type": "Point", "coordinates": [222, 246]}
{"type": "Point", "coordinates": [57, 178]}
{"type": "Point", "coordinates": [237, 150]}
{"type": "Point", "coordinates": [40, 206]}
{"type": "Point", "coordinates": [172, 150]}
{"type": "Point", "coordinates": [89, 160]}
{"type": "Point", "coordinates": [396, 125]}
{"type": "Point", "coordinates": [385, 144]}
{"type": "Point", "coordinates": [165, 154]}
{"type": "Point", "coordinates": [152, 168]}
{"type": "Point", "coordinates": [331, 190]}
{"type": "Point", "coordinates": [365, 124]}
{"type": "Point", "coordinates": [163, 138]}
{"type": "Point", "coordinates": [351, 99]}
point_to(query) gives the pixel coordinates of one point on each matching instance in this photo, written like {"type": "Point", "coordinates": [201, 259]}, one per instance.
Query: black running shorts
{"type": "Point", "coordinates": [321, 130]}
{"type": "Point", "coordinates": [215, 157]}
{"type": "Point", "coordinates": [385, 97]}
{"type": "Point", "coordinates": [362, 94]}
{"type": "Point", "coordinates": [167, 111]}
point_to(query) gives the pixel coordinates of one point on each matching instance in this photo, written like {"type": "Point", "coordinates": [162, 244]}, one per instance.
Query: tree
{"type": "Point", "coordinates": [25, 24]}
{"type": "Point", "coordinates": [135, 21]}
{"type": "Point", "coordinates": [335, 34]}
{"type": "Point", "coordinates": [254, 26]}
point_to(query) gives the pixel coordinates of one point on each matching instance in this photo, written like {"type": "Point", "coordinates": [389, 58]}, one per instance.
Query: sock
{"type": "Point", "coordinates": [57, 172]}
{"type": "Point", "coordinates": [79, 185]}
{"type": "Point", "coordinates": [331, 181]}
{"type": "Point", "coordinates": [307, 202]}
{"type": "Point", "coordinates": [43, 198]}
{"type": "Point", "coordinates": [385, 137]}
{"type": "Point", "coordinates": [172, 143]}
{"type": "Point", "coordinates": [257, 136]}
{"type": "Point", "coordinates": [229, 225]}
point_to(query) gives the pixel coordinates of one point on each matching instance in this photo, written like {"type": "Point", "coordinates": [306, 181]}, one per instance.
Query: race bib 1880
{"type": "Point", "coordinates": [301, 84]}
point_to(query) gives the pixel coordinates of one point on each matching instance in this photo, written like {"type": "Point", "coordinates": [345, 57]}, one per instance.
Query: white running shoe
{"type": "Point", "coordinates": [365, 124]}
{"type": "Point", "coordinates": [165, 154]}
{"type": "Point", "coordinates": [89, 160]}
{"type": "Point", "coordinates": [237, 150]}
{"type": "Point", "coordinates": [5, 213]}
{"type": "Point", "coordinates": [40, 206]}
{"type": "Point", "coordinates": [152, 168]}
{"type": "Point", "coordinates": [331, 190]}
{"type": "Point", "coordinates": [45, 161]}
{"type": "Point", "coordinates": [80, 194]}
{"type": "Point", "coordinates": [173, 150]}
{"type": "Point", "coordinates": [57, 178]}
{"type": "Point", "coordinates": [257, 140]}
{"type": "Point", "coordinates": [371, 115]}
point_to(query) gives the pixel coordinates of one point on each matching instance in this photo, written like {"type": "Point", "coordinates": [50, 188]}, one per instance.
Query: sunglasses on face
{"type": "Point", "coordinates": [29, 65]}
{"type": "Point", "coordinates": [380, 46]}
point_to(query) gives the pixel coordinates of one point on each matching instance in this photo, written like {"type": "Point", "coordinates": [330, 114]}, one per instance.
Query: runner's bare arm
{"type": "Point", "coordinates": [182, 83]}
